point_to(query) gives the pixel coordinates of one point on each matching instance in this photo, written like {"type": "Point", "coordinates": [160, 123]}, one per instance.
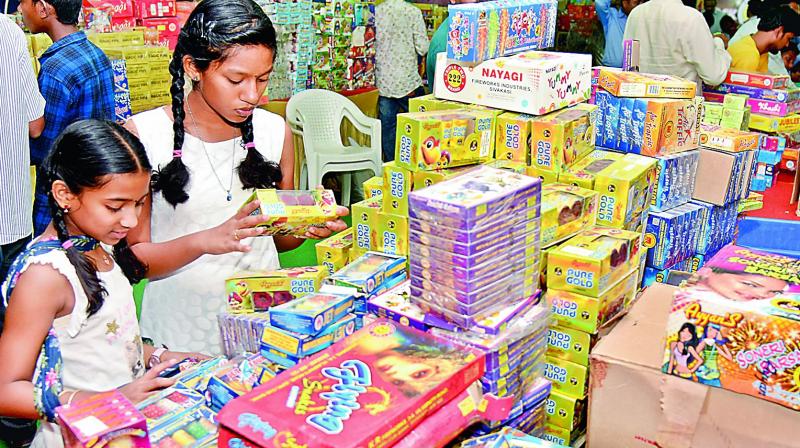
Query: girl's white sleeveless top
{"type": "Point", "coordinates": [100, 352]}
{"type": "Point", "coordinates": [180, 311]}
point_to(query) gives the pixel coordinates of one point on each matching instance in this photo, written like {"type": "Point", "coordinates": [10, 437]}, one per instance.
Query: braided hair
{"type": "Point", "coordinates": [214, 28]}
{"type": "Point", "coordinates": [82, 157]}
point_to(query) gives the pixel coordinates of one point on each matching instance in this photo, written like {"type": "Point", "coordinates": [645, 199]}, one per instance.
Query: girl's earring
{"type": "Point", "coordinates": [66, 209]}
{"type": "Point", "coordinates": [196, 79]}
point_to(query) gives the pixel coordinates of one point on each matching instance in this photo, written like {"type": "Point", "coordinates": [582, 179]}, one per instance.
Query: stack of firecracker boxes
{"type": "Point", "coordinates": [296, 43]}
{"type": "Point", "coordinates": [764, 103]}
{"type": "Point", "coordinates": [344, 57]}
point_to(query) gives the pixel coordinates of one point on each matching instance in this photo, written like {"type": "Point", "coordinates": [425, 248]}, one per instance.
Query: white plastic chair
{"type": "Point", "coordinates": [316, 115]}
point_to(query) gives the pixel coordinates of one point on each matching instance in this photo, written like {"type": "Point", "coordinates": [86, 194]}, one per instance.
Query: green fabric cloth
{"type": "Point", "coordinates": [438, 45]}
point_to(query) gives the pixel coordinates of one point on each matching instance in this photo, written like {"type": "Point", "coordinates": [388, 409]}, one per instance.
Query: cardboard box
{"type": "Point", "coordinates": [566, 210]}
{"type": "Point", "coordinates": [593, 261]}
{"type": "Point", "coordinates": [517, 26]}
{"type": "Point", "coordinates": [535, 83]}
{"type": "Point", "coordinates": [260, 291]}
{"type": "Point", "coordinates": [569, 344]}
{"type": "Point", "coordinates": [397, 183]}
{"type": "Point", "coordinates": [105, 418]}
{"type": "Point", "coordinates": [768, 123]}
{"type": "Point", "coordinates": [513, 137]}
{"type": "Point", "coordinates": [363, 360]}
{"type": "Point", "coordinates": [156, 8]}
{"type": "Point", "coordinates": [293, 212]}
{"type": "Point", "coordinates": [365, 224]}
{"type": "Point", "coordinates": [728, 139]}
{"type": "Point", "coordinates": [565, 411]}
{"type": "Point", "coordinates": [334, 252]}
{"type": "Point", "coordinates": [584, 172]}
{"type": "Point", "coordinates": [675, 177]}
{"type": "Point", "coordinates": [625, 192]}
{"type": "Point", "coordinates": [635, 405]}
{"type": "Point", "coordinates": [312, 313]}
{"type": "Point", "coordinates": [424, 179]}
{"type": "Point", "coordinates": [589, 314]}
{"type": "Point", "coordinates": [443, 139]}
{"type": "Point", "coordinates": [392, 234]}
{"type": "Point", "coordinates": [373, 187]}
{"type": "Point", "coordinates": [784, 96]}
{"type": "Point", "coordinates": [645, 85]}
{"type": "Point", "coordinates": [722, 177]}
{"type": "Point", "coordinates": [760, 80]}
{"type": "Point", "coordinates": [560, 139]}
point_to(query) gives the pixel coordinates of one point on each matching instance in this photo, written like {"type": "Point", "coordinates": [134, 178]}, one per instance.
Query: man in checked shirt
{"type": "Point", "coordinates": [76, 80]}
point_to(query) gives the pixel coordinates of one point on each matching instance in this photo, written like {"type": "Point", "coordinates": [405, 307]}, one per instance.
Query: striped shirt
{"type": "Point", "coordinates": [20, 103]}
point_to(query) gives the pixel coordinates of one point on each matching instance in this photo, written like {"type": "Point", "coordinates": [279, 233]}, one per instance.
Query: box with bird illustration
{"type": "Point", "coordinates": [560, 139]}
{"type": "Point", "coordinates": [443, 139]}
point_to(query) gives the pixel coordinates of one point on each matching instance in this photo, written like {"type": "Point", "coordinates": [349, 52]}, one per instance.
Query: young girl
{"type": "Point", "coordinates": [213, 147]}
{"type": "Point", "coordinates": [69, 292]}
{"type": "Point", "coordinates": [719, 283]}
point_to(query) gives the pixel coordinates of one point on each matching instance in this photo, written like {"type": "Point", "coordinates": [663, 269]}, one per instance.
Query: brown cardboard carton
{"type": "Point", "coordinates": [633, 404]}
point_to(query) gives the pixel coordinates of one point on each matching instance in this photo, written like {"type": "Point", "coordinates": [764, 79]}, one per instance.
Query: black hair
{"type": "Point", "coordinates": [693, 342]}
{"type": "Point", "coordinates": [213, 29]}
{"type": "Point", "coordinates": [82, 157]}
{"type": "Point", "coordinates": [67, 11]}
{"type": "Point", "coordinates": [784, 16]}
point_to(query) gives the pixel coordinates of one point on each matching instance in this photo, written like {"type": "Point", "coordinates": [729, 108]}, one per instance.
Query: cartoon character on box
{"type": "Point", "coordinates": [684, 358]}
{"type": "Point", "coordinates": [710, 348]}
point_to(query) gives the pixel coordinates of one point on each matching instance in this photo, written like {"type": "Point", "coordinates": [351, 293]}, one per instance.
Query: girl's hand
{"type": "Point", "coordinates": [150, 382]}
{"type": "Point", "coordinates": [180, 356]}
{"type": "Point", "coordinates": [318, 233]}
{"type": "Point", "coordinates": [228, 236]}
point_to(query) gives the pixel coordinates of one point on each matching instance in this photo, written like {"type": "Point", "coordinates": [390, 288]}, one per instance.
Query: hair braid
{"type": "Point", "coordinates": [171, 180]}
{"type": "Point", "coordinates": [84, 266]}
{"type": "Point", "coordinates": [255, 171]}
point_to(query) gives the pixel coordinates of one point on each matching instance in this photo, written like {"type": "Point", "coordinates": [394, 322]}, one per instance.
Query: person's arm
{"type": "Point", "coordinates": [698, 359]}
{"type": "Point", "coordinates": [603, 8]}
{"type": "Point", "coordinates": [421, 42]}
{"type": "Point", "coordinates": [36, 301]}
{"type": "Point", "coordinates": [34, 102]}
{"type": "Point", "coordinates": [705, 53]}
{"type": "Point", "coordinates": [36, 127]}
{"type": "Point", "coordinates": [724, 351]}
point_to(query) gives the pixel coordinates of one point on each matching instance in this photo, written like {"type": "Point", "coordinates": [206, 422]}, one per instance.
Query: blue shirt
{"type": "Point", "coordinates": [77, 83]}
{"type": "Point", "coordinates": [613, 20]}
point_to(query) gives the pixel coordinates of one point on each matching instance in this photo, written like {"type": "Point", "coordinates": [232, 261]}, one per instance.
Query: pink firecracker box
{"type": "Point", "coordinates": [148, 9]}
{"type": "Point", "coordinates": [774, 108]}
{"type": "Point", "coordinates": [104, 419]}
{"type": "Point", "coordinates": [368, 390]}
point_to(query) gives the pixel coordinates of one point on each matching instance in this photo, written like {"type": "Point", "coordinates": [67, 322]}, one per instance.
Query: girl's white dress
{"type": "Point", "coordinates": [180, 311]}
{"type": "Point", "coordinates": [101, 352]}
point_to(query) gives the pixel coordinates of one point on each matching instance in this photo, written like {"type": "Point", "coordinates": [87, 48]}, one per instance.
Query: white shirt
{"type": "Point", "coordinates": [20, 103]}
{"type": "Point", "coordinates": [776, 66]}
{"type": "Point", "coordinates": [400, 37]}
{"type": "Point", "coordinates": [675, 40]}
{"type": "Point", "coordinates": [180, 311]}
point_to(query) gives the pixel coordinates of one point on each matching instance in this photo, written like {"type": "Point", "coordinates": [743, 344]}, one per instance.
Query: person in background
{"type": "Point", "coordinates": [400, 38]}
{"type": "Point", "coordinates": [775, 29]}
{"type": "Point", "coordinates": [675, 40]}
{"type": "Point", "coordinates": [439, 45]}
{"type": "Point", "coordinates": [755, 8]}
{"type": "Point", "coordinates": [613, 17]}
{"type": "Point", "coordinates": [713, 16]}
{"type": "Point", "coordinates": [75, 79]}
{"type": "Point", "coordinates": [729, 26]}
{"type": "Point", "coordinates": [22, 116]}
{"type": "Point", "coordinates": [789, 55]}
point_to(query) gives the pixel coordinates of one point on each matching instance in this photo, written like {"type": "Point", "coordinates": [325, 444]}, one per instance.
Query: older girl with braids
{"type": "Point", "coordinates": [212, 148]}
{"type": "Point", "coordinates": [71, 327]}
